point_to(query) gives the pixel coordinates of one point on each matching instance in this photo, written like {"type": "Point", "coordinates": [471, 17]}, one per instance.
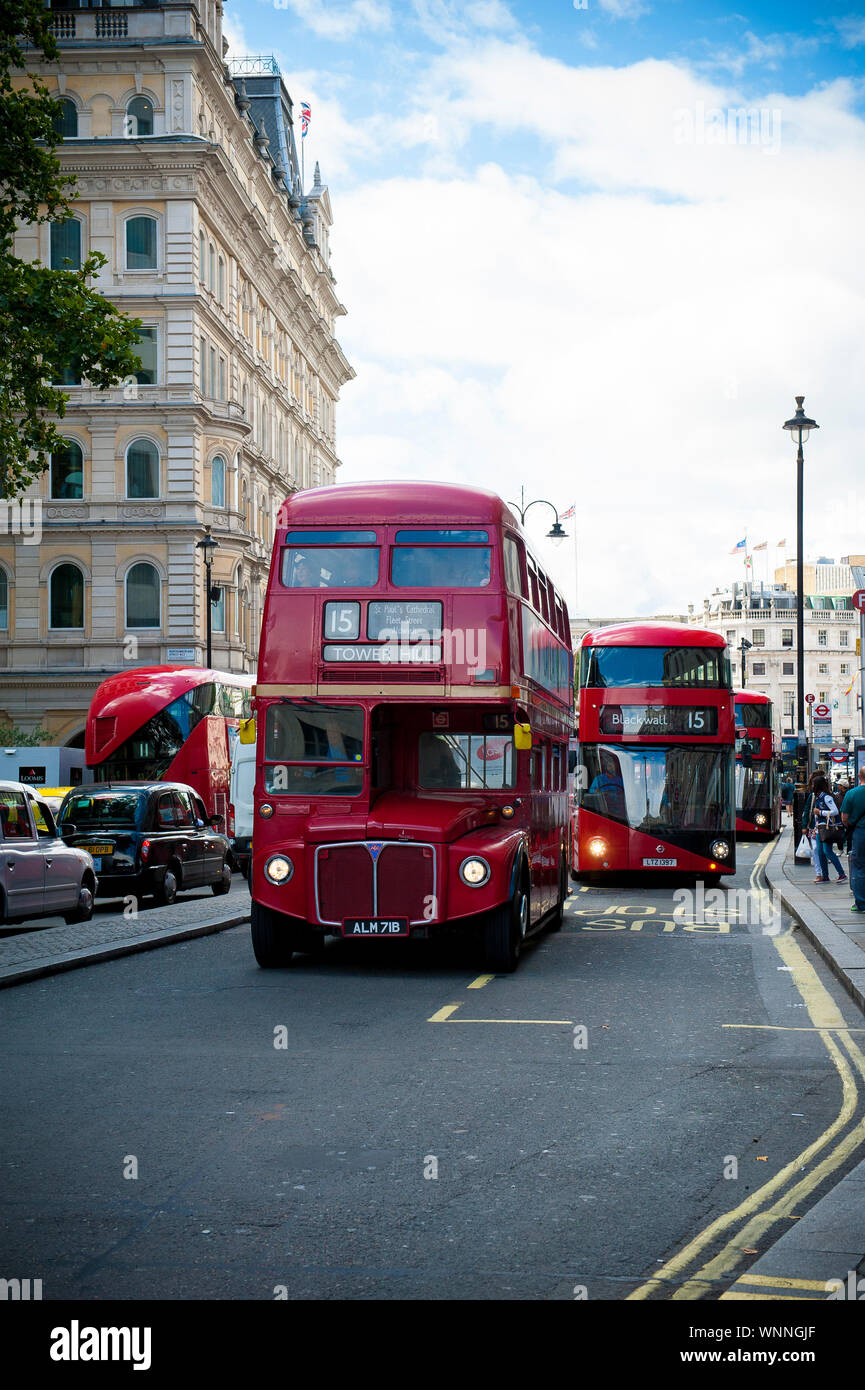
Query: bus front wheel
{"type": "Point", "coordinates": [503, 933]}
{"type": "Point", "coordinates": [273, 940]}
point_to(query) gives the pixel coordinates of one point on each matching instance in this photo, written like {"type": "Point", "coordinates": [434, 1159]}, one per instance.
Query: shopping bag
{"type": "Point", "coordinates": [803, 850]}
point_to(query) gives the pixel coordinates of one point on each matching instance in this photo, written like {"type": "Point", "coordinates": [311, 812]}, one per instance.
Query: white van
{"type": "Point", "coordinates": [240, 808]}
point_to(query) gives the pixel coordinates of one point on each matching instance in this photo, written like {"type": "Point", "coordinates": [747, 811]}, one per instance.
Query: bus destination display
{"type": "Point", "coordinates": [639, 720]}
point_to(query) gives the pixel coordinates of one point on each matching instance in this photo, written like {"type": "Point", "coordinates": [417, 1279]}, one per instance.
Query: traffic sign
{"type": "Point", "coordinates": [809, 699]}
{"type": "Point", "coordinates": [859, 600]}
{"type": "Point", "coordinates": [821, 711]}
{"type": "Point", "coordinates": [838, 755]}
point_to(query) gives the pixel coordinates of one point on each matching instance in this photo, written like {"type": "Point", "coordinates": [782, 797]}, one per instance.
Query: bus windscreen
{"type": "Point", "coordinates": [672, 668]}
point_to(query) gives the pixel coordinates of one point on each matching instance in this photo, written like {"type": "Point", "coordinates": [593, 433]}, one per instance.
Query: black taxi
{"type": "Point", "coordinates": [147, 839]}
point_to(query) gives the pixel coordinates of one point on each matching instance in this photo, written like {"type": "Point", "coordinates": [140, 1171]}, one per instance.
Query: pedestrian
{"type": "Point", "coordinates": [786, 793]}
{"type": "Point", "coordinates": [853, 816]}
{"type": "Point", "coordinates": [827, 821]}
{"type": "Point", "coordinates": [808, 825]}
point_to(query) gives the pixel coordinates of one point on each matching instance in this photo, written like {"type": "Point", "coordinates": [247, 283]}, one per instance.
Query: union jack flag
{"type": "Point", "coordinates": [563, 516]}
{"type": "Point", "coordinates": [305, 114]}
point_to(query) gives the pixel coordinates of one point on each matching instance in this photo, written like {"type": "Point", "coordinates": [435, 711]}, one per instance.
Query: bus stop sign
{"type": "Point", "coordinates": [859, 600]}
{"type": "Point", "coordinates": [838, 755]}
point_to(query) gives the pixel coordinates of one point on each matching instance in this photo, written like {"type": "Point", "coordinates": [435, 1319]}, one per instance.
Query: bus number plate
{"type": "Point", "coordinates": [375, 926]}
{"type": "Point", "coordinates": [660, 863]}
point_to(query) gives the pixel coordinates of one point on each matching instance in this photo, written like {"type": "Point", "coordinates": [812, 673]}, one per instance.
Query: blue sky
{"type": "Point", "coordinates": [597, 250]}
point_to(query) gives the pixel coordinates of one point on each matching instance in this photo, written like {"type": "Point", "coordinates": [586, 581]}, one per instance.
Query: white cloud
{"type": "Point", "coordinates": [339, 22]}
{"type": "Point", "coordinates": [852, 30]}
{"type": "Point", "coordinates": [634, 347]}
{"type": "Point", "coordinates": [233, 31]}
{"type": "Point", "coordinates": [624, 9]}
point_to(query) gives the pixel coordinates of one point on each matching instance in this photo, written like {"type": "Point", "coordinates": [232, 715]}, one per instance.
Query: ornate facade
{"type": "Point", "coordinates": [188, 183]}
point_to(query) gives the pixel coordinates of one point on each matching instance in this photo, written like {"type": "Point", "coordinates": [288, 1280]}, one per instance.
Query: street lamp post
{"type": "Point", "coordinates": [800, 427]}
{"type": "Point", "coordinates": [556, 533]}
{"type": "Point", "coordinates": [745, 646]}
{"type": "Point", "coordinates": [208, 546]}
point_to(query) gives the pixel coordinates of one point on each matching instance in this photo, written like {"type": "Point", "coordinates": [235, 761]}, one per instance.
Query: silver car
{"type": "Point", "coordinates": [40, 875]}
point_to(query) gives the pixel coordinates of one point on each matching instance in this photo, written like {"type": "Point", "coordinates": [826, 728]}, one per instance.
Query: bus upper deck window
{"type": "Point", "coordinates": [330, 567]}
{"type": "Point", "coordinates": [441, 566]}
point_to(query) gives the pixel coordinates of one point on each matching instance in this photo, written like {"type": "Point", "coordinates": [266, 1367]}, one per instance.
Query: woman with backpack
{"type": "Point", "coordinates": [827, 822]}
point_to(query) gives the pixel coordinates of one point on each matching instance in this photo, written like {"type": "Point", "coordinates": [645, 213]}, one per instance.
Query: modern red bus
{"type": "Point", "coordinates": [171, 722]}
{"type": "Point", "coordinates": [413, 705]}
{"type": "Point", "coordinates": [758, 759]}
{"type": "Point", "coordinates": [656, 744]}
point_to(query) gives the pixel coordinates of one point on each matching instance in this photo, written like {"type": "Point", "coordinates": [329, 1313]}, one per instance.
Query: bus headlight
{"type": "Point", "coordinates": [597, 847]}
{"type": "Point", "coordinates": [279, 868]}
{"type": "Point", "coordinates": [719, 849]}
{"type": "Point", "coordinates": [474, 872]}
{"type": "Point", "coordinates": [760, 819]}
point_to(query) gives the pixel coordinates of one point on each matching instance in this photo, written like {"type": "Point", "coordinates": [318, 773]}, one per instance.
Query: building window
{"type": "Point", "coordinates": [4, 601]}
{"type": "Point", "coordinates": [222, 378]}
{"type": "Point", "coordinates": [141, 243]}
{"type": "Point", "coordinates": [787, 668]}
{"type": "Point", "coordinates": [142, 469]}
{"type": "Point", "coordinates": [823, 637]}
{"type": "Point", "coordinates": [142, 596]}
{"type": "Point", "coordinates": [211, 263]}
{"type": "Point", "coordinates": [139, 117]}
{"type": "Point", "coordinates": [759, 668]}
{"type": "Point", "coordinates": [66, 245]}
{"type": "Point", "coordinates": [758, 637]}
{"type": "Point", "coordinates": [221, 282]}
{"type": "Point", "coordinates": [202, 258]}
{"type": "Point", "coordinates": [843, 638]}
{"type": "Point", "coordinates": [217, 609]}
{"type": "Point", "coordinates": [203, 365]}
{"type": "Point", "coordinates": [823, 668]}
{"type": "Point", "coordinates": [213, 371]}
{"type": "Point", "coordinates": [67, 471]}
{"type": "Point", "coordinates": [786, 637]}
{"type": "Point", "coordinates": [823, 697]}
{"type": "Point", "coordinates": [65, 121]}
{"type": "Point", "coordinates": [67, 597]}
{"type": "Point", "coordinates": [146, 349]}
{"type": "Point", "coordinates": [731, 637]}
{"type": "Point", "coordinates": [788, 704]}
{"type": "Point", "coordinates": [217, 482]}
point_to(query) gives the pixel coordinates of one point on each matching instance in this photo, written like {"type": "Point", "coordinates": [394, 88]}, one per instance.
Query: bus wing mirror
{"type": "Point", "coordinates": [522, 736]}
{"type": "Point", "coordinates": [246, 732]}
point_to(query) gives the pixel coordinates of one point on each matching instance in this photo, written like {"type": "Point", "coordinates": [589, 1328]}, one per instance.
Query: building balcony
{"type": "Point", "coordinates": [85, 23]}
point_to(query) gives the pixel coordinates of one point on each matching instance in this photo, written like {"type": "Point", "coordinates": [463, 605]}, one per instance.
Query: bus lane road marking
{"type": "Point", "coordinates": [629, 917]}
{"type": "Point", "coordinates": [770, 1204]}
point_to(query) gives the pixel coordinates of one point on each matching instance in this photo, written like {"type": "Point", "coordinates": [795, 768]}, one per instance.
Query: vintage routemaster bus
{"type": "Point", "coordinates": [413, 707]}
{"type": "Point", "coordinates": [758, 764]}
{"type": "Point", "coordinates": [168, 722]}
{"type": "Point", "coordinates": [655, 786]}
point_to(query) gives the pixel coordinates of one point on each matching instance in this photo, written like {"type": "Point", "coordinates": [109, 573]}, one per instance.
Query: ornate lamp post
{"type": "Point", "coordinates": [800, 427]}
{"type": "Point", "coordinates": [556, 533]}
{"type": "Point", "coordinates": [208, 546]}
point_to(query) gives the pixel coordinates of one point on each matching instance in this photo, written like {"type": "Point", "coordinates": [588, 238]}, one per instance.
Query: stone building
{"type": "Point", "coordinates": [188, 182]}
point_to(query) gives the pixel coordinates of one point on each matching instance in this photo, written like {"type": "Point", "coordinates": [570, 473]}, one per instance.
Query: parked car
{"type": "Point", "coordinates": [40, 875]}
{"type": "Point", "coordinates": [147, 839]}
{"type": "Point", "coordinates": [240, 808]}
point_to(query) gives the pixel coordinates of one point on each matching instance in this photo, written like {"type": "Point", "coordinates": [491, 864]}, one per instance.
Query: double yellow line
{"type": "Point", "coordinates": [775, 1201]}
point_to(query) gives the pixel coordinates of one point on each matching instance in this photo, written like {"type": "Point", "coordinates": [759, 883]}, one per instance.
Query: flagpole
{"type": "Point", "coordinates": [576, 568]}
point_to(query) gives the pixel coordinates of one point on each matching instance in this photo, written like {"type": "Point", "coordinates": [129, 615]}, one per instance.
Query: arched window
{"type": "Point", "coordinates": [211, 268]}
{"type": "Point", "coordinates": [4, 601]}
{"type": "Point", "coordinates": [66, 245]}
{"type": "Point", "coordinates": [202, 257]}
{"type": "Point", "coordinates": [221, 282]}
{"type": "Point", "coordinates": [67, 597]}
{"type": "Point", "coordinates": [65, 121]}
{"type": "Point", "coordinates": [141, 243]}
{"type": "Point", "coordinates": [67, 471]}
{"type": "Point", "coordinates": [217, 609]}
{"type": "Point", "coordinates": [238, 617]}
{"type": "Point", "coordinates": [217, 482]}
{"type": "Point", "coordinates": [139, 117]}
{"type": "Point", "coordinates": [142, 469]}
{"type": "Point", "coordinates": [142, 596]}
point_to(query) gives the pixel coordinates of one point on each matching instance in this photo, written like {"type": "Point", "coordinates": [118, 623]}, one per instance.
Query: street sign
{"type": "Point", "coordinates": [821, 711]}
{"type": "Point", "coordinates": [838, 755]}
{"type": "Point", "coordinates": [809, 699]}
{"type": "Point", "coordinates": [859, 600]}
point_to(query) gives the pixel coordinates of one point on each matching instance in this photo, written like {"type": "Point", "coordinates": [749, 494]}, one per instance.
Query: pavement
{"type": "Point", "coordinates": [48, 946]}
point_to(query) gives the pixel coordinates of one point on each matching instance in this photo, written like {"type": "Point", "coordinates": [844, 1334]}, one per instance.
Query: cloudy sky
{"type": "Point", "coordinates": [594, 248]}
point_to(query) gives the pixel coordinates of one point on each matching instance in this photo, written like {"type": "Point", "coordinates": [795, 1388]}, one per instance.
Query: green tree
{"type": "Point", "coordinates": [13, 737]}
{"type": "Point", "coordinates": [52, 320]}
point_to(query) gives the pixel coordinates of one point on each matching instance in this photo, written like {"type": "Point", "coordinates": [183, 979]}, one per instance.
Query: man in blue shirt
{"type": "Point", "coordinates": [853, 816]}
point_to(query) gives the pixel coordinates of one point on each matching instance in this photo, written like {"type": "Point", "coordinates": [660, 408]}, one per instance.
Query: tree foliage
{"type": "Point", "coordinates": [50, 320]}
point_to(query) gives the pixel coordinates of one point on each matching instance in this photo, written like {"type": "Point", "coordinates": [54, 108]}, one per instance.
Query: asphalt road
{"type": "Point", "coordinates": [398, 1147]}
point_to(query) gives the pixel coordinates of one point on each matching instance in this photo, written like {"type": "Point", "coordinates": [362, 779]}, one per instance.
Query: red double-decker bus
{"type": "Point", "coordinates": [758, 764]}
{"type": "Point", "coordinates": [655, 788]}
{"type": "Point", "coordinates": [168, 722]}
{"type": "Point", "coordinates": [413, 705]}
